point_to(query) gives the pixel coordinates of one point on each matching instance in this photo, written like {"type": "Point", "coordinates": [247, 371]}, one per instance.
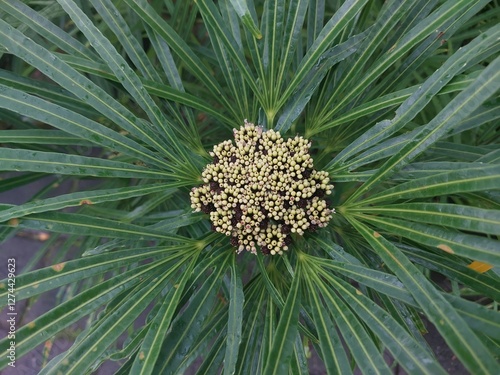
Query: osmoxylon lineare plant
{"type": "Point", "coordinates": [393, 103]}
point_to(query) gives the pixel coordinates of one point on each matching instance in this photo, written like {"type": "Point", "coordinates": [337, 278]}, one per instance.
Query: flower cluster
{"type": "Point", "coordinates": [262, 189]}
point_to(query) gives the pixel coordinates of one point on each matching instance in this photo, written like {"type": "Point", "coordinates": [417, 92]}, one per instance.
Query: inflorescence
{"type": "Point", "coordinates": [262, 189]}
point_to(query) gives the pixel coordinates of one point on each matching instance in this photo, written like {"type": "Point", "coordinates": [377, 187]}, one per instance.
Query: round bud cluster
{"type": "Point", "coordinates": [262, 189]}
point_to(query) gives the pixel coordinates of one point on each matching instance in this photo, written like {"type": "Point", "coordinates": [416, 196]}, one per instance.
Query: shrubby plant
{"type": "Point", "coordinates": [400, 103]}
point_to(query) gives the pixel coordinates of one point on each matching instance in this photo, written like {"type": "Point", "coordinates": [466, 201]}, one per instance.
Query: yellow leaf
{"type": "Point", "coordinates": [480, 267]}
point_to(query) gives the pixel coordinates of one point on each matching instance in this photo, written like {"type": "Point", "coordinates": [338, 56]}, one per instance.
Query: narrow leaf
{"type": "Point", "coordinates": [283, 340]}
{"type": "Point", "coordinates": [235, 319]}
{"type": "Point", "coordinates": [461, 339]}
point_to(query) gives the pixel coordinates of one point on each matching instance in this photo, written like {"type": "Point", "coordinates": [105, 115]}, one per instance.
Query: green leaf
{"type": "Point", "coordinates": [60, 72]}
{"type": "Point", "coordinates": [241, 8]}
{"type": "Point", "coordinates": [455, 269]}
{"type": "Point", "coordinates": [179, 46]}
{"type": "Point", "coordinates": [478, 177]}
{"type": "Point", "coordinates": [75, 124]}
{"type": "Point", "coordinates": [215, 23]}
{"type": "Point", "coordinates": [19, 181]}
{"type": "Point", "coordinates": [283, 340]}
{"type": "Point", "coordinates": [127, 78]}
{"type": "Point", "coordinates": [466, 245]}
{"type": "Point", "coordinates": [332, 350]}
{"type": "Point", "coordinates": [84, 225]}
{"type": "Point", "coordinates": [301, 97]}
{"type": "Point", "coordinates": [448, 215]}
{"type": "Point", "coordinates": [237, 79]}
{"type": "Point", "coordinates": [406, 350]}
{"type": "Point", "coordinates": [271, 289]}
{"type": "Point", "coordinates": [293, 27]}
{"type": "Point", "coordinates": [90, 347]}
{"type": "Point", "coordinates": [458, 109]}
{"type": "Point", "coordinates": [445, 17]}
{"type": "Point", "coordinates": [42, 137]}
{"type": "Point", "coordinates": [213, 359]}
{"type": "Point", "coordinates": [480, 318]}
{"type": "Point", "coordinates": [235, 319]}
{"type": "Point", "coordinates": [39, 281]}
{"type": "Point", "coordinates": [47, 91]}
{"type": "Point", "coordinates": [46, 29]}
{"type": "Point", "coordinates": [186, 327]}
{"type": "Point", "coordinates": [389, 16]}
{"type": "Point", "coordinates": [461, 339]}
{"type": "Point", "coordinates": [118, 25]}
{"type": "Point", "coordinates": [81, 198]}
{"type": "Point", "coordinates": [383, 282]}
{"type": "Point", "coordinates": [388, 101]}
{"type": "Point", "coordinates": [421, 97]}
{"type": "Point", "coordinates": [328, 34]}
{"type": "Point", "coordinates": [363, 350]}
{"type": "Point", "coordinates": [58, 163]}
{"type": "Point", "coordinates": [148, 353]}
{"type": "Point", "coordinates": [49, 324]}
{"type": "Point", "coordinates": [252, 330]}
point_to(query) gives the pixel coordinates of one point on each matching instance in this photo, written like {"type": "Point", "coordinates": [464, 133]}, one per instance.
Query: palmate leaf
{"type": "Point", "coordinates": [235, 320]}
{"type": "Point", "coordinates": [59, 163]}
{"type": "Point", "coordinates": [477, 316]}
{"type": "Point", "coordinates": [458, 109]}
{"type": "Point", "coordinates": [85, 225]}
{"type": "Point", "coordinates": [48, 91]}
{"type": "Point", "coordinates": [467, 346]}
{"type": "Point", "coordinates": [180, 47]}
{"type": "Point", "coordinates": [187, 326]}
{"type": "Point", "coordinates": [154, 88]}
{"type": "Point", "coordinates": [328, 34]}
{"type": "Point", "coordinates": [128, 79]}
{"type": "Point", "coordinates": [238, 76]}
{"type": "Point", "coordinates": [76, 83]}
{"type": "Point", "coordinates": [454, 178]}
{"type": "Point", "coordinates": [40, 281]}
{"type": "Point", "coordinates": [75, 124]}
{"type": "Point", "coordinates": [36, 332]}
{"type": "Point", "coordinates": [299, 100]}
{"type": "Point", "coordinates": [151, 86]}
{"type": "Point", "coordinates": [47, 29]}
{"type": "Point", "coordinates": [19, 181]}
{"type": "Point", "coordinates": [213, 19]}
{"type": "Point", "coordinates": [366, 354]}
{"type": "Point", "coordinates": [449, 215]}
{"type": "Point", "coordinates": [243, 12]}
{"type": "Point", "coordinates": [456, 270]}
{"type": "Point", "coordinates": [83, 353]}
{"type": "Point", "coordinates": [150, 348]}
{"type": "Point", "coordinates": [282, 343]}
{"type": "Point", "coordinates": [81, 198]}
{"type": "Point", "coordinates": [388, 101]}
{"type": "Point", "coordinates": [416, 102]}
{"type": "Point", "coordinates": [118, 25]}
{"type": "Point", "coordinates": [474, 247]}
{"type": "Point", "coordinates": [409, 353]}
